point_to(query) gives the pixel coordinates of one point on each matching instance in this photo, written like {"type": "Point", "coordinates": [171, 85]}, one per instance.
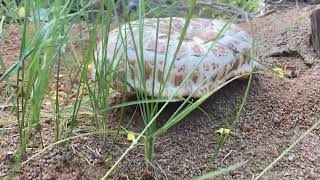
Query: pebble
{"type": "Point", "coordinates": [47, 177]}
{"type": "Point", "coordinates": [291, 158]}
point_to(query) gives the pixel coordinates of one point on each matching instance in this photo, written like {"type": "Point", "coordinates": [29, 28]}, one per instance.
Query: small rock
{"type": "Point", "coordinates": [291, 158]}
{"type": "Point", "coordinates": [246, 127]}
{"type": "Point", "coordinates": [287, 174]}
{"type": "Point", "coordinates": [290, 71]}
{"type": "Point", "coordinates": [282, 43]}
{"type": "Point", "coordinates": [9, 157]}
{"type": "Point", "coordinates": [47, 177]}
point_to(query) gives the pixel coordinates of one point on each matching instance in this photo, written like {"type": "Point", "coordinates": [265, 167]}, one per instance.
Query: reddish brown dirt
{"type": "Point", "coordinates": [278, 111]}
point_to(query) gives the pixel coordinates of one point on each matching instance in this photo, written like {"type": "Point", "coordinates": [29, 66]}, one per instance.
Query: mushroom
{"type": "Point", "coordinates": [205, 60]}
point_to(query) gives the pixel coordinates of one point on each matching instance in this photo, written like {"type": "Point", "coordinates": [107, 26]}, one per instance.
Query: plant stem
{"type": "Point", "coordinates": [149, 149]}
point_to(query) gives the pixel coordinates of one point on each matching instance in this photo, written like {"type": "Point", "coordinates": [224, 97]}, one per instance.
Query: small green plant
{"type": "Point", "coordinates": [41, 55]}
{"type": "Point", "coordinates": [9, 9]}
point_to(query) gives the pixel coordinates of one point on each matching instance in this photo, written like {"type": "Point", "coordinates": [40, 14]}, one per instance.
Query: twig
{"type": "Point", "coordinates": [95, 153]}
{"type": "Point", "coordinates": [81, 156]}
{"type": "Point", "coordinates": [231, 10]}
{"type": "Point", "coordinates": [275, 2]}
{"type": "Point", "coordinates": [226, 156]}
{"type": "Point", "coordinates": [62, 141]}
{"type": "Point", "coordinates": [161, 170]}
{"type": "Point", "coordinates": [224, 7]}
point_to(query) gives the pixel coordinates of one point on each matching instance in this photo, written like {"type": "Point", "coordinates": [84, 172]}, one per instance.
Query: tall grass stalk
{"type": "Point", "coordinates": [223, 137]}
{"type": "Point", "coordinates": [150, 112]}
{"type": "Point", "coordinates": [38, 54]}
{"type": "Point", "coordinates": [287, 150]}
{"type": "Point", "coordinates": [220, 172]}
{"type": "Point", "coordinates": [183, 114]}
{"type": "Point", "coordinates": [171, 122]}
{"type": "Point", "coordinates": [45, 48]}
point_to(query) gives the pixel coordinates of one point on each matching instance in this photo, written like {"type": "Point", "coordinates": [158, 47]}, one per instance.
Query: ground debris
{"type": "Point", "coordinates": [285, 52]}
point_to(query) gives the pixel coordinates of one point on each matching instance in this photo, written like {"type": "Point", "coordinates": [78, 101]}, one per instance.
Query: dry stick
{"type": "Point", "coordinates": [53, 144]}
{"type": "Point", "coordinates": [65, 140]}
{"type": "Point", "coordinates": [221, 171]}
{"type": "Point", "coordinates": [275, 2]}
{"type": "Point", "coordinates": [1, 24]}
{"type": "Point", "coordinates": [6, 103]}
{"type": "Point", "coordinates": [220, 6]}
{"type": "Point", "coordinates": [315, 30]}
{"type": "Point", "coordinates": [287, 150]}
{"type": "Point", "coordinates": [224, 7]}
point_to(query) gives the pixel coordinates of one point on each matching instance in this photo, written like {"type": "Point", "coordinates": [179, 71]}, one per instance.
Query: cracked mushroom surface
{"type": "Point", "coordinates": [205, 60]}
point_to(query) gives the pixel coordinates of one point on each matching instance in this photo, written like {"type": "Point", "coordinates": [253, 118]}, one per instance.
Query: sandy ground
{"type": "Point", "coordinates": [278, 111]}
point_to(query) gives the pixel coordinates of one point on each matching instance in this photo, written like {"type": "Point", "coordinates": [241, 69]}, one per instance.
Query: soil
{"type": "Point", "coordinates": [277, 112]}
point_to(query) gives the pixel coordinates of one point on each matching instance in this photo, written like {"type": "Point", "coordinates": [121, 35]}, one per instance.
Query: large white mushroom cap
{"type": "Point", "coordinates": [209, 60]}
